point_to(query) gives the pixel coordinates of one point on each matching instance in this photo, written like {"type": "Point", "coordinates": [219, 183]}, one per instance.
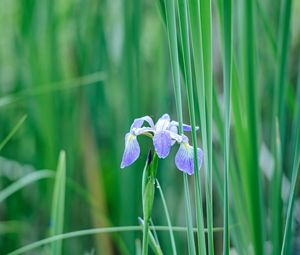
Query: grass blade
{"type": "Point", "coordinates": [206, 37]}
{"type": "Point", "coordinates": [288, 223]}
{"type": "Point", "coordinates": [287, 235]}
{"type": "Point", "coordinates": [227, 30]}
{"type": "Point", "coordinates": [58, 203]}
{"type": "Point", "coordinates": [172, 36]}
{"type": "Point", "coordinates": [185, 34]}
{"type": "Point", "coordinates": [278, 114]}
{"type": "Point", "coordinates": [203, 88]}
{"type": "Point", "coordinates": [250, 172]}
{"type": "Point", "coordinates": [51, 88]}
{"type": "Point", "coordinates": [167, 216]}
{"type": "Point", "coordinates": [12, 132]}
{"type": "Point", "coordinates": [94, 231]}
{"type": "Point", "coordinates": [23, 182]}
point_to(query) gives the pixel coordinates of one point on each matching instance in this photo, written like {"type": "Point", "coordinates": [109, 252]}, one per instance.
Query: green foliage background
{"type": "Point", "coordinates": [82, 70]}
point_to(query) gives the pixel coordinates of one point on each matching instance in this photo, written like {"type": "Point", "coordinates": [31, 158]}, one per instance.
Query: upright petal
{"type": "Point", "coordinates": [184, 158]}
{"type": "Point", "coordinates": [137, 123]}
{"type": "Point", "coordinates": [132, 150]}
{"type": "Point", "coordinates": [162, 143]}
{"type": "Point", "coordinates": [163, 123]}
{"type": "Point", "coordinates": [173, 127]}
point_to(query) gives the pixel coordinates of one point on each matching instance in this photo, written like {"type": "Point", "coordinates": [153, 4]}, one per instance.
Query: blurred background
{"type": "Point", "coordinates": [82, 70]}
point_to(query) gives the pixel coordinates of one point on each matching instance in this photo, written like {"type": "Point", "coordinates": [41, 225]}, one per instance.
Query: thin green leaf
{"type": "Point", "coordinates": [168, 217]}
{"type": "Point", "coordinates": [58, 204]}
{"type": "Point", "coordinates": [172, 36]}
{"type": "Point", "coordinates": [227, 39]}
{"type": "Point", "coordinates": [50, 88]}
{"type": "Point", "coordinates": [287, 236]}
{"type": "Point", "coordinates": [23, 182]}
{"type": "Point", "coordinates": [13, 131]}
{"type": "Point", "coordinates": [94, 231]}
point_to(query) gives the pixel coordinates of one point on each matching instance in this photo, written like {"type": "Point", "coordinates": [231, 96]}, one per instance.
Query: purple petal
{"type": "Point", "coordinates": [176, 138]}
{"type": "Point", "coordinates": [162, 143]}
{"type": "Point", "coordinates": [143, 130]}
{"type": "Point", "coordinates": [137, 123]}
{"type": "Point", "coordinates": [132, 150]}
{"type": "Point", "coordinates": [184, 158]}
{"type": "Point", "coordinates": [163, 123]}
{"type": "Point", "coordinates": [185, 127]}
{"type": "Point", "coordinates": [173, 127]}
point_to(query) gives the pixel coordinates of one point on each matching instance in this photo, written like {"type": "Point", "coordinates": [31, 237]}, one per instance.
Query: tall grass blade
{"type": "Point", "coordinates": [23, 182]}
{"type": "Point", "coordinates": [95, 231]}
{"type": "Point", "coordinates": [287, 235]}
{"type": "Point", "coordinates": [278, 113]}
{"type": "Point", "coordinates": [58, 204]}
{"type": "Point", "coordinates": [12, 132]}
{"type": "Point", "coordinates": [153, 240]}
{"type": "Point", "coordinates": [207, 44]}
{"type": "Point", "coordinates": [227, 39]}
{"type": "Point", "coordinates": [288, 228]}
{"type": "Point", "coordinates": [168, 217]}
{"type": "Point", "coordinates": [282, 56]}
{"type": "Point", "coordinates": [202, 67]}
{"type": "Point", "coordinates": [172, 37]}
{"type": "Point", "coordinates": [51, 88]}
{"type": "Point", "coordinates": [187, 64]}
{"type": "Point", "coordinates": [250, 172]}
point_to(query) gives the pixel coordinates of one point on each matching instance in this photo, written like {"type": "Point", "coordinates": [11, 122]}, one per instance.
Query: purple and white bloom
{"type": "Point", "coordinates": [164, 134]}
{"type": "Point", "coordinates": [132, 148]}
{"type": "Point", "coordinates": [184, 158]}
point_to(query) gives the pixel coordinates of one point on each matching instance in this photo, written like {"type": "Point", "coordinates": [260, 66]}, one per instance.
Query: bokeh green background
{"type": "Point", "coordinates": [82, 70]}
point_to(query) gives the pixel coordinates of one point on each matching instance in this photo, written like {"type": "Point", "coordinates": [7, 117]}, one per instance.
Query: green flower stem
{"type": "Point", "coordinates": [148, 190]}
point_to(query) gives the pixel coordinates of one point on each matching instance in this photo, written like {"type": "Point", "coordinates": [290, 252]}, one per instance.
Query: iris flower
{"type": "Point", "coordinates": [164, 135]}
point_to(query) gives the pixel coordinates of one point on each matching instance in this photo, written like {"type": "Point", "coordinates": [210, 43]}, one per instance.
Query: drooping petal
{"type": "Point", "coordinates": [137, 123]}
{"type": "Point", "coordinates": [163, 123]}
{"type": "Point", "coordinates": [184, 158]}
{"type": "Point", "coordinates": [162, 143]}
{"type": "Point", "coordinates": [132, 150]}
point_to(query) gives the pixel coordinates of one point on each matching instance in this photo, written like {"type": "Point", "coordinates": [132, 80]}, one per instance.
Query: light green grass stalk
{"type": "Point", "coordinates": [279, 113]}
{"type": "Point", "coordinates": [227, 40]}
{"type": "Point", "coordinates": [250, 172]}
{"type": "Point", "coordinates": [58, 204]}
{"type": "Point", "coordinates": [168, 218]}
{"type": "Point", "coordinates": [12, 132]}
{"type": "Point", "coordinates": [187, 64]}
{"type": "Point", "coordinates": [23, 182]}
{"type": "Point", "coordinates": [51, 88]}
{"type": "Point", "coordinates": [288, 223]}
{"type": "Point", "coordinates": [288, 235]}
{"type": "Point", "coordinates": [94, 231]}
{"type": "Point", "coordinates": [172, 36]}
{"type": "Point", "coordinates": [207, 44]}
{"type": "Point", "coordinates": [202, 66]}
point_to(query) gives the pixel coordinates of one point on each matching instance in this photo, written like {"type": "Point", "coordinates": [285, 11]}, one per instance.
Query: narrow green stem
{"type": "Point", "coordinates": [12, 132]}
{"type": "Point", "coordinates": [145, 237]}
{"type": "Point", "coordinates": [168, 218]}
{"type": "Point", "coordinates": [190, 234]}
{"type": "Point", "coordinates": [95, 231]}
{"type": "Point", "coordinates": [227, 30]}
